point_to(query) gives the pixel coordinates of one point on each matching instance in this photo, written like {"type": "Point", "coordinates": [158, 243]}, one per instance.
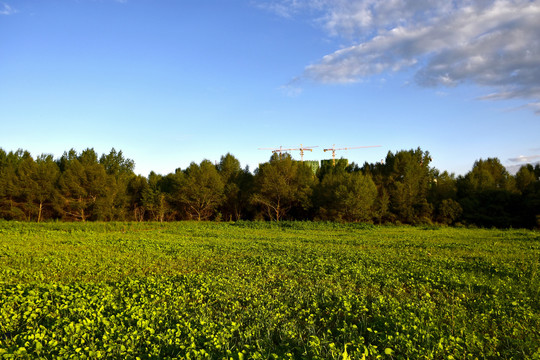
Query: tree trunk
{"type": "Point", "coordinates": [40, 210]}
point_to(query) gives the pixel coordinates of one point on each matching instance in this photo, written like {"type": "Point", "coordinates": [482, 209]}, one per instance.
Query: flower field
{"type": "Point", "coordinates": [254, 290]}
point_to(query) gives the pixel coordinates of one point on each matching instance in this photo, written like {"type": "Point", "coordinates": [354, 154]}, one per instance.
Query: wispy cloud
{"type": "Point", "coordinates": [279, 9]}
{"type": "Point", "coordinates": [293, 88]}
{"type": "Point", "coordinates": [6, 9]}
{"type": "Point", "coordinates": [495, 44]}
{"type": "Point", "coordinates": [289, 8]}
{"type": "Point", "coordinates": [524, 159]}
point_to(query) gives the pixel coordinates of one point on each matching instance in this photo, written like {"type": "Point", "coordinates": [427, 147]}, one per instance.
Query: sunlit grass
{"type": "Point", "coordinates": [262, 290]}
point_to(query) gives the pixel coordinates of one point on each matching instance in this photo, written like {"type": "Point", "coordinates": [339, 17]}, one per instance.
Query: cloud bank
{"type": "Point", "coordinates": [494, 44]}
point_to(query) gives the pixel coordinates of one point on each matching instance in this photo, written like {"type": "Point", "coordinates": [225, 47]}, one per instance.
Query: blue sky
{"type": "Point", "coordinates": [170, 82]}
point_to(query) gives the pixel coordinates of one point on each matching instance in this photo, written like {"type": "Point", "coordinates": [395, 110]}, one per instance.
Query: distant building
{"type": "Point", "coordinates": [313, 164]}
{"type": "Point", "coordinates": [342, 162]}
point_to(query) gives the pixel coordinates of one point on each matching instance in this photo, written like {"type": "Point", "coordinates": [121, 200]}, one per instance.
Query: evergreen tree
{"type": "Point", "coordinates": [85, 188]}
{"type": "Point", "coordinates": [154, 198]}
{"type": "Point", "coordinates": [443, 196]}
{"type": "Point", "coordinates": [528, 184]}
{"type": "Point", "coordinates": [403, 181]}
{"type": "Point", "coordinates": [525, 179]}
{"type": "Point", "coordinates": [136, 189]}
{"type": "Point", "coordinates": [344, 196]}
{"type": "Point", "coordinates": [202, 192]}
{"type": "Point", "coordinates": [379, 174]}
{"type": "Point", "coordinates": [488, 195]}
{"type": "Point", "coordinates": [26, 186]}
{"type": "Point", "coordinates": [14, 196]}
{"type": "Point", "coordinates": [282, 185]}
{"type": "Point", "coordinates": [237, 186]}
{"type": "Point", "coordinates": [120, 172]}
{"type": "Point", "coordinates": [45, 177]}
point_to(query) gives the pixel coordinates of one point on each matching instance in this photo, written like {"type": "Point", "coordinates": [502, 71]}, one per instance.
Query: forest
{"type": "Point", "coordinates": [401, 189]}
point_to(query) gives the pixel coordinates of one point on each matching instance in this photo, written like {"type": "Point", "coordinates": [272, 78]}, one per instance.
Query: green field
{"type": "Point", "coordinates": [261, 291]}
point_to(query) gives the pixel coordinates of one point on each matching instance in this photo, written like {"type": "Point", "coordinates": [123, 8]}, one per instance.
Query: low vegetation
{"type": "Point", "coordinates": [265, 290]}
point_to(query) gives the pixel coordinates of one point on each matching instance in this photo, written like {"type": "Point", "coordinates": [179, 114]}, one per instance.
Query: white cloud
{"type": "Point", "coordinates": [524, 159]}
{"type": "Point", "coordinates": [495, 44]}
{"type": "Point", "coordinates": [6, 9]}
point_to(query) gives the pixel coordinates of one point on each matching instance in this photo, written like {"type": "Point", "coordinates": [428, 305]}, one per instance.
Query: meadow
{"type": "Point", "coordinates": [258, 290]}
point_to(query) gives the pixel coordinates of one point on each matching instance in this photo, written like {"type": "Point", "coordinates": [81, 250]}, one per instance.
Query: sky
{"type": "Point", "coordinates": [170, 82]}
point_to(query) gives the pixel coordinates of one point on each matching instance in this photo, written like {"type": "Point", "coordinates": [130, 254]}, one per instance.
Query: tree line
{"type": "Point", "coordinates": [402, 189]}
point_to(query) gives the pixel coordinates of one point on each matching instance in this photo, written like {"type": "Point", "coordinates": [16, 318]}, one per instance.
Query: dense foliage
{"type": "Point", "coordinates": [404, 188]}
{"type": "Point", "coordinates": [267, 290]}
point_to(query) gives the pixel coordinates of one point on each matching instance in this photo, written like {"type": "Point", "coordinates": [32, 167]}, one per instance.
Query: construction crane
{"type": "Point", "coordinates": [274, 150]}
{"type": "Point", "coordinates": [301, 149]}
{"type": "Point", "coordinates": [333, 150]}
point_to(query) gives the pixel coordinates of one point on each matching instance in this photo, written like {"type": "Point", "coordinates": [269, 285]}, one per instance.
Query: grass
{"type": "Point", "coordinates": [267, 290]}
